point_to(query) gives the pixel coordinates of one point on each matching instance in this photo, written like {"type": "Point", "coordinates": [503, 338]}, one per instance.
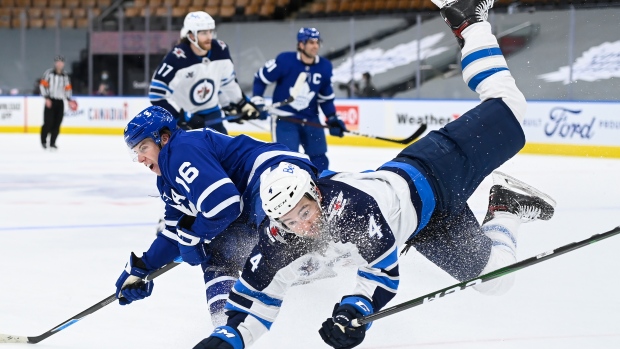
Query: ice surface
{"type": "Point", "coordinates": [68, 220]}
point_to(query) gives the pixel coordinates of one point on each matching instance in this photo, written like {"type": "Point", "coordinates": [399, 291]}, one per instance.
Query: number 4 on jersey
{"type": "Point", "coordinates": [373, 228]}
{"type": "Point", "coordinates": [255, 260]}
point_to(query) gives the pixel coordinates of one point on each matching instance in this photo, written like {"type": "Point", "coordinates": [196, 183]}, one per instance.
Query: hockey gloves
{"type": "Point", "coordinates": [336, 126]}
{"type": "Point", "coordinates": [259, 102]}
{"type": "Point", "coordinates": [193, 250]}
{"type": "Point", "coordinates": [247, 109]}
{"type": "Point", "coordinates": [130, 285]}
{"type": "Point", "coordinates": [337, 331]}
{"type": "Point", "coordinates": [223, 337]}
{"type": "Point", "coordinates": [231, 114]}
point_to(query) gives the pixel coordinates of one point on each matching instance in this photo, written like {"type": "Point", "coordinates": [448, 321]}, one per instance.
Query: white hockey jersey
{"type": "Point", "coordinates": [194, 83]}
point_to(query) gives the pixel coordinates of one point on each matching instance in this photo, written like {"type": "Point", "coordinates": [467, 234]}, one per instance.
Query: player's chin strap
{"type": "Point", "coordinates": [195, 43]}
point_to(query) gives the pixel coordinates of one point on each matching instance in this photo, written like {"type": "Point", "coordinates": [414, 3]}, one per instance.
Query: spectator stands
{"type": "Point", "coordinates": [74, 13]}
{"type": "Point", "coordinates": [49, 13]}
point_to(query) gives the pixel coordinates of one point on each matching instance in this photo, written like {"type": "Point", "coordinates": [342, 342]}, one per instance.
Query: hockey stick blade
{"type": "Point", "coordinates": [484, 278]}
{"type": "Point", "coordinates": [421, 129]}
{"type": "Point", "coordinates": [6, 338]}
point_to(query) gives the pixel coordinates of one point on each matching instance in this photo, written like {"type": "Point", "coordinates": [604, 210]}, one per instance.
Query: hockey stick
{"type": "Point", "coordinates": [301, 79]}
{"type": "Point", "coordinates": [407, 140]}
{"type": "Point", "coordinates": [483, 278]}
{"type": "Point", "coordinates": [6, 338]}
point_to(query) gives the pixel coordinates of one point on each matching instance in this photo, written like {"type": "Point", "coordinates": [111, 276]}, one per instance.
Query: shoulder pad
{"type": "Point", "coordinates": [274, 232]}
{"type": "Point", "coordinates": [219, 50]}
{"type": "Point", "coordinates": [178, 53]}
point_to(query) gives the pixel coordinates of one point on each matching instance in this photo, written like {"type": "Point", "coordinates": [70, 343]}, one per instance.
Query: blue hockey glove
{"type": "Point", "coordinates": [336, 126]}
{"type": "Point", "coordinates": [337, 331]}
{"type": "Point", "coordinates": [259, 102]}
{"type": "Point", "coordinates": [129, 286]}
{"type": "Point", "coordinates": [193, 250]}
{"type": "Point", "coordinates": [223, 337]}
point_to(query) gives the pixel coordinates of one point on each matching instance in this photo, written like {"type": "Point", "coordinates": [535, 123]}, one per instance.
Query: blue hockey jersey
{"type": "Point", "coordinates": [213, 177]}
{"type": "Point", "coordinates": [284, 70]}
{"type": "Point", "coordinates": [196, 84]}
{"type": "Point", "coordinates": [369, 214]}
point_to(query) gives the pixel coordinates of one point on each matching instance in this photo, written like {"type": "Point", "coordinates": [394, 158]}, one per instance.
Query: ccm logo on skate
{"type": "Point", "coordinates": [452, 290]}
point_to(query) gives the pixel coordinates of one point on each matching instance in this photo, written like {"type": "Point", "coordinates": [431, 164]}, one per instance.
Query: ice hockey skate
{"type": "Point", "coordinates": [461, 14]}
{"type": "Point", "coordinates": [511, 195]}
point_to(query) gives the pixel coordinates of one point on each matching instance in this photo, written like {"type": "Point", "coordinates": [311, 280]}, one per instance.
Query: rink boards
{"type": "Point", "coordinates": [551, 127]}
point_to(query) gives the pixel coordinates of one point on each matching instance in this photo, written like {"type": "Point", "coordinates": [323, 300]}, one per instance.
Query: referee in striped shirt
{"type": "Point", "coordinates": [55, 87]}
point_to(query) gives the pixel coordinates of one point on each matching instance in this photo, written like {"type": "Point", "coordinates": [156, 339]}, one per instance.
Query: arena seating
{"type": "Point", "coordinates": [74, 13]}
{"type": "Point", "coordinates": [49, 13]}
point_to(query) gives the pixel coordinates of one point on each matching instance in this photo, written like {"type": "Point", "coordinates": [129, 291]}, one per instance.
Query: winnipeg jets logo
{"type": "Point", "coordinates": [222, 44]}
{"type": "Point", "coordinates": [336, 206]}
{"type": "Point", "coordinates": [309, 267]}
{"type": "Point", "coordinates": [178, 52]}
{"type": "Point", "coordinates": [273, 233]}
{"type": "Point", "coordinates": [202, 92]}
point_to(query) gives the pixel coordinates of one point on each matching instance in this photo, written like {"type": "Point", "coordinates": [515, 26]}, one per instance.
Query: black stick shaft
{"type": "Point", "coordinates": [484, 278]}
{"type": "Point", "coordinates": [407, 140]}
{"type": "Point", "coordinates": [94, 308]}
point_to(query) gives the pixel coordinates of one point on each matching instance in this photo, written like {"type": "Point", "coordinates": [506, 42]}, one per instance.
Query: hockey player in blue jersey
{"type": "Point", "coordinates": [209, 183]}
{"type": "Point", "coordinates": [197, 78]}
{"type": "Point", "coordinates": [417, 199]}
{"type": "Point", "coordinates": [318, 90]}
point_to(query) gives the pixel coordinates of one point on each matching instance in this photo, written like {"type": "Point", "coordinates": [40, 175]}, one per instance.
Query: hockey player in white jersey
{"type": "Point", "coordinates": [196, 76]}
{"type": "Point", "coordinates": [417, 199]}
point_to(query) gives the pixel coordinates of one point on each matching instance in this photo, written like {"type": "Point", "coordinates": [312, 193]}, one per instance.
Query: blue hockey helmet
{"type": "Point", "coordinates": [305, 34]}
{"type": "Point", "coordinates": [149, 123]}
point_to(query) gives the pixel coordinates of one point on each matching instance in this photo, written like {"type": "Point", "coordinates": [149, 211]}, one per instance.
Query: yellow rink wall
{"type": "Point", "coordinates": [590, 129]}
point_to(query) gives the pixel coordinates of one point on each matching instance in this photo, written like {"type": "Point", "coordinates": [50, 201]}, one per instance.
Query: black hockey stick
{"type": "Point", "coordinates": [483, 278]}
{"type": "Point", "coordinates": [230, 117]}
{"type": "Point", "coordinates": [301, 79]}
{"type": "Point", "coordinates": [407, 140]}
{"type": "Point", "coordinates": [6, 338]}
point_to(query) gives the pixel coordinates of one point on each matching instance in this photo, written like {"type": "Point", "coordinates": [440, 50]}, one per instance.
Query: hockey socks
{"type": "Point", "coordinates": [502, 230]}
{"type": "Point", "coordinates": [485, 70]}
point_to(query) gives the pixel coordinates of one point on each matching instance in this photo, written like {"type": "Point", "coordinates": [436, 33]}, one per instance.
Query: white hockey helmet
{"type": "Point", "coordinates": [183, 33]}
{"type": "Point", "coordinates": [195, 22]}
{"type": "Point", "coordinates": [281, 188]}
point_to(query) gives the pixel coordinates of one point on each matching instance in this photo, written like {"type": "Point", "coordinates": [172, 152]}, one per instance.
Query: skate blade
{"type": "Point", "coordinates": [510, 182]}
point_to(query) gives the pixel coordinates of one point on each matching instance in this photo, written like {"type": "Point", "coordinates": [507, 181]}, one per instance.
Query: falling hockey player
{"type": "Point", "coordinates": [418, 199]}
